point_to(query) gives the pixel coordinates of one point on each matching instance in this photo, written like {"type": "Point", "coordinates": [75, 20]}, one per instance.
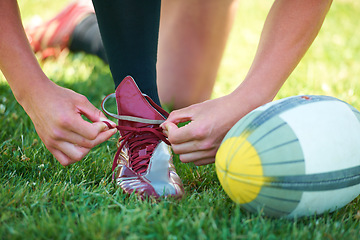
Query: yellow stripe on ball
{"type": "Point", "coordinates": [239, 169]}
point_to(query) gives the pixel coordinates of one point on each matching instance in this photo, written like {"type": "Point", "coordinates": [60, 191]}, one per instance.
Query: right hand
{"type": "Point", "coordinates": [57, 116]}
{"type": "Point", "coordinates": [55, 111]}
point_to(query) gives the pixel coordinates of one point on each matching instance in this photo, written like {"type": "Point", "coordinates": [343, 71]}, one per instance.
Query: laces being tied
{"type": "Point", "coordinates": [141, 141]}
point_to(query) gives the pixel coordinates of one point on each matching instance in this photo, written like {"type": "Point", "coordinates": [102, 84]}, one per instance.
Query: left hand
{"type": "Point", "coordinates": [199, 140]}
{"type": "Point", "coordinates": [289, 30]}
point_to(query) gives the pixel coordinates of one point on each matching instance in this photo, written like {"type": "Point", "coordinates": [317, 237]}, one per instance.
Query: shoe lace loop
{"type": "Point", "coordinates": [131, 118]}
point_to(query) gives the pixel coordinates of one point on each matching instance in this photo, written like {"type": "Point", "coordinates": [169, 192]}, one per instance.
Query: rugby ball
{"type": "Point", "coordinates": [299, 156]}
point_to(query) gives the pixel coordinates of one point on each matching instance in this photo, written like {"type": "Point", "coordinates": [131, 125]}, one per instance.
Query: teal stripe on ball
{"type": "Point", "coordinates": [275, 202]}
{"type": "Point", "coordinates": [278, 148]}
{"type": "Point", "coordinates": [319, 181]}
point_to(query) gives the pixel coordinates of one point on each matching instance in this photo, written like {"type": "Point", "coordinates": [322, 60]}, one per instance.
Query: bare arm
{"type": "Point", "coordinates": [289, 30]}
{"type": "Point", "coordinates": [17, 62]}
{"type": "Point", "coordinates": [55, 111]}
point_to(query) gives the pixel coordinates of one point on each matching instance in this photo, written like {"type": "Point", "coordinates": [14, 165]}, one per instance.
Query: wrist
{"type": "Point", "coordinates": [22, 71]}
{"type": "Point", "coordinates": [28, 87]}
{"type": "Point", "coordinates": [252, 96]}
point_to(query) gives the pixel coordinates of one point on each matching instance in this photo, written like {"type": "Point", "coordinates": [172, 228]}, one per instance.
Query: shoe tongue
{"type": "Point", "coordinates": [131, 102]}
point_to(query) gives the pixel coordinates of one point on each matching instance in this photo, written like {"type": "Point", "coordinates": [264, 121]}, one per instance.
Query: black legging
{"type": "Point", "coordinates": [129, 31]}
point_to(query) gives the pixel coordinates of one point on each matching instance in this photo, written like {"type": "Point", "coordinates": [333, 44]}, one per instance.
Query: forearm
{"type": "Point", "coordinates": [17, 61]}
{"type": "Point", "coordinates": [288, 32]}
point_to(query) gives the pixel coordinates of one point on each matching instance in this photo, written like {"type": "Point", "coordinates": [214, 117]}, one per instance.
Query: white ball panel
{"type": "Point", "coordinates": [320, 202]}
{"type": "Point", "coordinates": [329, 134]}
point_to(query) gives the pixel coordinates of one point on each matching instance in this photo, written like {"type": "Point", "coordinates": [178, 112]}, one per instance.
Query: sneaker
{"type": "Point", "coordinates": [143, 163]}
{"type": "Point", "coordinates": [51, 37]}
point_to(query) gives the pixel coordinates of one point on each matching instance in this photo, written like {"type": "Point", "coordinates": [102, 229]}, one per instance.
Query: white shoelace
{"type": "Point", "coordinates": [127, 118]}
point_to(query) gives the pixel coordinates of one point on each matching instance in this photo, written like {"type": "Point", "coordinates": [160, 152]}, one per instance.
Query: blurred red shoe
{"type": "Point", "coordinates": [143, 163]}
{"type": "Point", "coordinates": [51, 37]}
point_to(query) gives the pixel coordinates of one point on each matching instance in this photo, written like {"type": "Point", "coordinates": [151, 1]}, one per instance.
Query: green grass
{"type": "Point", "coordinates": [40, 199]}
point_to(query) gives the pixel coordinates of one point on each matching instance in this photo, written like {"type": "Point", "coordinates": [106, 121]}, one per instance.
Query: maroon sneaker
{"type": "Point", "coordinates": [143, 163]}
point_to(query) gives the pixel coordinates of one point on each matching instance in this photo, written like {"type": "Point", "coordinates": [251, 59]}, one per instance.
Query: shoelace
{"type": "Point", "coordinates": [131, 118]}
{"type": "Point", "coordinates": [136, 138]}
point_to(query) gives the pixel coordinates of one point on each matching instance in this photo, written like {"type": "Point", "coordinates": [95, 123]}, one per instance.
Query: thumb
{"type": "Point", "coordinates": [168, 127]}
{"type": "Point", "coordinates": [178, 116]}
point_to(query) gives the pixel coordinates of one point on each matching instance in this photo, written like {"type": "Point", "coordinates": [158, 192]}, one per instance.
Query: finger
{"type": "Point", "coordinates": [90, 111]}
{"type": "Point", "coordinates": [86, 129]}
{"type": "Point", "coordinates": [108, 122]}
{"type": "Point", "coordinates": [183, 134]}
{"type": "Point", "coordinates": [104, 136]}
{"type": "Point", "coordinates": [67, 153]}
{"type": "Point", "coordinates": [97, 116]}
{"type": "Point", "coordinates": [171, 130]}
{"type": "Point", "coordinates": [76, 152]}
{"type": "Point", "coordinates": [61, 157]}
{"type": "Point", "coordinates": [192, 146]}
{"type": "Point", "coordinates": [168, 126]}
{"type": "Point", "coordinates": [183, 148]}
{"type": "Point", "coordinates": [178, 116]}
{"type": "Point", "coordinates": [197, 156]}
{"type": "Point", "coordinates": [73, 152]}
{"type": "Point", "coordinates": [204, 161]}
{"type": "Point", "coordinates": [81, 141]}
{"type": "Point", "coordinates": [100, 138]}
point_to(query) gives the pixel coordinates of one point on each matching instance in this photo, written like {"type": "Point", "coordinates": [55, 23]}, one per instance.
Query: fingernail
{"type": "Point", "coordinates": [109, 123]}
{"type": "Point", "coordinates": [166, 132]}
{"type": "Point", "coordinates": [164, 126]}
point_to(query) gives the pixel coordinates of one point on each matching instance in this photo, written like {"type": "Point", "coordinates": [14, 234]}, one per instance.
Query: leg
{"type": "Point", "coordinates": [192, 40]}
{"type": "Point", "coordinates": [143, 162]}
{"type": "Point", "coordinates": [129, 30]}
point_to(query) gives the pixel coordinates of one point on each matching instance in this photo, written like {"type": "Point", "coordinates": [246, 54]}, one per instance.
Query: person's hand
{"type": "Point", "coordinates": [57, 116]}
{"type": "Point", "coordinates": [199, 140]}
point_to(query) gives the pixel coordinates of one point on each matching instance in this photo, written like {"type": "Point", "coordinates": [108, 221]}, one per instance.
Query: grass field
{"type": "Point", "coordinates": [40, 199]}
